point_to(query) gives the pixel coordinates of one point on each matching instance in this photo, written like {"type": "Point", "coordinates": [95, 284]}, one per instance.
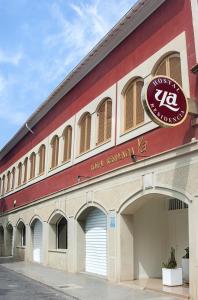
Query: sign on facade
{"type": "Point", "coordinates": [112, 219]}
{"type": "Point", "coordinates": [165, 102]}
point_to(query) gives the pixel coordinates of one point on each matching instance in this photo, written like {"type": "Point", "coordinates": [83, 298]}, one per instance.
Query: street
{"type": "Point", "coordinates": [14, 286]}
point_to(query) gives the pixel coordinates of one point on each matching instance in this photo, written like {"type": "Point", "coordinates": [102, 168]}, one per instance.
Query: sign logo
{"type": "Point", "coordinates": [165, 102]}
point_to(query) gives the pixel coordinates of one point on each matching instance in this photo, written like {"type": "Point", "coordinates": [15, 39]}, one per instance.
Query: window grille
{"type": "Point", "coordinates": [170, 66]}
{"type": "Point", "coordinates": [133, 110]}
{"type": "Point", "coordinates": [175, 204]}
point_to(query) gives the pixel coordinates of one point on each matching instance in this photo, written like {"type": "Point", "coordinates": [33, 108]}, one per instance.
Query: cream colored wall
{"type": "Point", "coordinates": [20, 253]}
{"type": "Point", "coordinates": [156, 230]}
{"type": "Point", "coordinates": [57, 259]}
{"type": "Point", "coordinates": [150, 239]}
{"type": "Point", "coordinates": [178, 232]}
{"type": "Point", "coordinates": [171, 174]}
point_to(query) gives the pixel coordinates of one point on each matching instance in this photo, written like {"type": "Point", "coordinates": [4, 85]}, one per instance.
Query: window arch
{"type": "Point", "coordinates": [104, 114]}
{"type": "Point", "coordinates": [25, 169]}
{"type": "Point", "coordinates": [8, 181]}
{"type": "Point", "coordinates": [55, 150]}
{"type": "Point", "coordinates": [170, 66]}
{"type": "Point", "coordinates": [32, 165]}
{"type": "Point", "coordinates": [85, 132]}
{"type": "Point", "coordinates": [61, 228]}
{"type": "Point", "coordinates": [13, 178]}
{"type": "Point", "coordinates": [67, 136]}
{"type": "Point", "coordinates": [133, 109]}
{"type": "Point", "coordinates": [58, 231]}
{"type": "Point", "coordinates": [21, 234]}
{"type": "Point", "coordinates": [41, 159]}
{"type": "Point", "coordinates": [19, 173]}
{"type": "Point", "coordinates": [3, 185]}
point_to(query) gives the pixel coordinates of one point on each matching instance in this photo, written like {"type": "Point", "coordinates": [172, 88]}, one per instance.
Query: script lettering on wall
{"type": "Point", "coordinates": [142, 147]}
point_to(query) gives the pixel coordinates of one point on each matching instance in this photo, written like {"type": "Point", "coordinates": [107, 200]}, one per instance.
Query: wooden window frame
{"type": "Point", "coordinates": [3, 185]}
{"type": "Point", "coordinates": [105, 103]}
{"type": "Point", "coordinates": [67, 136]}
{"type": "Point", "coordinates": [8, 181]}
{"type": "Point", "coordinates": [134, 106]}
{"type": "Point", "coordinates": [85, 119]}
{"type": "Point", "coordinates": [19, 174]}
{"type": "Point", "coordinates": [42, 152]}
{"type": "Point", "coordinates": [54, 151]}
{"type": "Point", "coordinates": [32, 165]}
{"type": "Point", "coordinates": [25, 170]}
{"type": "Point", "coordinates": [166, 59]}
{"type": "Point", "coordinates": [13, 178]}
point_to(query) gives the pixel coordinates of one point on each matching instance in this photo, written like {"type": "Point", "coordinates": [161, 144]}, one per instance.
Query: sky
{"type": "Point", "coordinates": [41, 41]}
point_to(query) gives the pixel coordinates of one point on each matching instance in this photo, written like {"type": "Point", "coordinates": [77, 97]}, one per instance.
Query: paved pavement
{"type": "Point", "coordinates": [15, 286]}
{"type": "Point", "coordinates": [80, 286]}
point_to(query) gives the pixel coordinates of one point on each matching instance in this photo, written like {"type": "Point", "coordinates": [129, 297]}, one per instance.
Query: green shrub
{"type": "Point", "coordinates": [171, 264]}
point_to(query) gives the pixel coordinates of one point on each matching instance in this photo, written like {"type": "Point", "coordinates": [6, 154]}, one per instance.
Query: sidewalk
{"type": "Point", "coordinates": [81, 286]}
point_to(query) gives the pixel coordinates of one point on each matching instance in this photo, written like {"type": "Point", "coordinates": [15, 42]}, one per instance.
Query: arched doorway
{"type": "Point", "coordinates": [9, 240]}
{"type": "Point", "coordinates": [1, 241]}
{"type": "Point", "coordinates": [149, 227]}
{"type": "Point", "coordinates": [92, 241]}
{"type": "Point", "coordinates": [37, 241]}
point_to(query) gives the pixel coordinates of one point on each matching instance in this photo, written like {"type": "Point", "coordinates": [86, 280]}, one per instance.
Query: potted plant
{"type": "Point", "coordinates": [185, 266]}
{"type": "Point", "coordinates": [171, 275]}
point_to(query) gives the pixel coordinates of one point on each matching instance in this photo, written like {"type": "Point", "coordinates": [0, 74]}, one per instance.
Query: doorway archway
{"type": "Point", "coordinates": [92, 241]}
{"type": "Point", "coordinates": [149, 226]}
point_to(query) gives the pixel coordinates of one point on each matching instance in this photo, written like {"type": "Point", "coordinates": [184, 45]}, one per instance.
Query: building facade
{"type": "Point", "coordinates": [90, 183]}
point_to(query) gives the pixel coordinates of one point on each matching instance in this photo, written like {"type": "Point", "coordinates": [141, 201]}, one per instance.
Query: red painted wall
{"type": "Point", "coordinates": [172, 18]}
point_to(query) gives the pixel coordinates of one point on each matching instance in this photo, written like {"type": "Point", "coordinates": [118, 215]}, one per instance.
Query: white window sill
{"type": "Point", "coordinates": [58, 250]}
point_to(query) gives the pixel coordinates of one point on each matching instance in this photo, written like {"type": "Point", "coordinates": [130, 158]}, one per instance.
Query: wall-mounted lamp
{"type": "Point", "coordinates": [134, 157]}
{"type": "Point", "coordinates": [14, 203]}
{"type": "Point", "coordinates": [79, 177]}
{"type": "Point", "coordinates": [195, 69]}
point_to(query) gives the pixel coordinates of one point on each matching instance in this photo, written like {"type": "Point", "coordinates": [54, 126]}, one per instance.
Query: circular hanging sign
{"type": "Point", "coordinates": [165, 102]}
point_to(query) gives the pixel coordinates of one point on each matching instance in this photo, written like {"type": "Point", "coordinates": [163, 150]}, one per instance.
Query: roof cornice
{"type": "Point", "coordinates": [135, 16]}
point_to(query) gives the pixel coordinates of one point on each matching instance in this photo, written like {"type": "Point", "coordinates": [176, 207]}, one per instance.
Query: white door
{"type": "Point", "coordinates": [37, 242]}
{"type": "Point", "coordinates": [96, 242]}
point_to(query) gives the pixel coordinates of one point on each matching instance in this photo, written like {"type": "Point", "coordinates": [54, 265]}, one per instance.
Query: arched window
{"type": "Point", "coordinates": [85, 133]}
{"type": "Point", "coordinates": [8, 181]}
{"type": "Point", "coordinates": [104, 114]}
{"type": "Point", "coordinates": [13, 178]}
{"type": "Point", "coordinates": [19, 173]}
{"type": "Point", "coordinates": [67, 136]}
{"type": "Point", "coordinates": [62, 233]}
{"type": "Point", "coordinates": [133, 109]}
{"type": "Point", "coordinates": [23, 235]}
{"type": "Point", "coordinates": [41, 159]}
{"type": "Point", "coordinates": [25, 170]}
{"type": "Point", "coordinates": [3, 185]}
{"type": "Point", "coordinates": [170, 66]}
{"type": "Point", "coordinates": [55, 150]}
{"type": "Point", "coordinates": [32, 165]}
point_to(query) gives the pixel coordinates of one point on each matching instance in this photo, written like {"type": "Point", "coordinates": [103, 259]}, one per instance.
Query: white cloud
{"type": "Point", "coordinates": [12, 59]}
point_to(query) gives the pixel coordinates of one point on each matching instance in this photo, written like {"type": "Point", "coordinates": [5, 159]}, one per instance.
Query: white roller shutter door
{"type": "Point", "coordinates": [96, 242]}
{"type": "Point", "coordinates": [37, 242]}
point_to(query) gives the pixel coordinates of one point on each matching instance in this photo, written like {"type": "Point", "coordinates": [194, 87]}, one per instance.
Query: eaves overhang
{"type": "Point", "coordinates": [135, 16]}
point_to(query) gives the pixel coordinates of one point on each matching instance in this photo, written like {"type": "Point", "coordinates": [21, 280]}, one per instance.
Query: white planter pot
{"type": "Point", "coordinates": [185, 269]}
{"type": "Point", "coordinates": [172, 277]}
